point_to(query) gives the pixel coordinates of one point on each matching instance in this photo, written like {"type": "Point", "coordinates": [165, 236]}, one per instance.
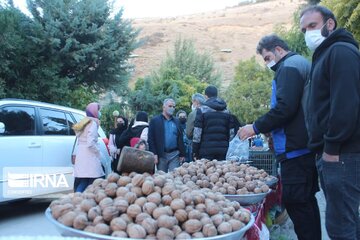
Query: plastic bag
{"type": "Point", "coordinates": [238, 150]}
{"type": "Point", "coordinates": [106, 163]}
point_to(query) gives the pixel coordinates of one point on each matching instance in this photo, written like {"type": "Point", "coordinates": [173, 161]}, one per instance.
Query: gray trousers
{"type": "Point", "coordinates": [341, 185]}
{"type": "Point", "coordinates": [169, 161]}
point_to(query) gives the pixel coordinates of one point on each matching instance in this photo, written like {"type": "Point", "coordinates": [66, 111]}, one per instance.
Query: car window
{"type": "Point", "coordinates": [18, 120]}
{"type": "Point", "coordinates": [71, 122]}
{"type": "Point", "coordinates": [54, 122]}
{"type": "Point", "coordinates": [78, 117]}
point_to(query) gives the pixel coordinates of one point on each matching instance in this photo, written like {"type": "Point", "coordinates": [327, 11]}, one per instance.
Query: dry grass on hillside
{"type": "Point", "coordinates": [237, 28]}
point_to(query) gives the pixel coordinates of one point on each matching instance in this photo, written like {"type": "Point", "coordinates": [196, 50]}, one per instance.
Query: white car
{"type": "Point", "coordinates": [36, 139]}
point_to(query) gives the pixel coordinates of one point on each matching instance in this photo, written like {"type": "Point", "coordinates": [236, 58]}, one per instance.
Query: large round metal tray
{"type": "Point", "coordinates": [72, 232]}
{"type": "Point", "coordinates": [247, 199]}
{"type": "Point", "coordinates": [272, 182]}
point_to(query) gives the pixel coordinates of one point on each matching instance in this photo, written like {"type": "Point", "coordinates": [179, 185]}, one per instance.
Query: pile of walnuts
{"type": "Point", "coordinates": [149, 207]}
{"type": "Point", "coordinates": [226, 177]}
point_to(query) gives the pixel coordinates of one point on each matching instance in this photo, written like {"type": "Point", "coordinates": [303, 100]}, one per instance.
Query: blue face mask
{"type": "Point", "coordinates": [99, 115]}
{"type": "Point", "coordinates": [170, 111]}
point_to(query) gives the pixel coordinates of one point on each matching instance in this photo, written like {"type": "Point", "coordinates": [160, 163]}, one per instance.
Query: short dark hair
{"type": "Point", "coordinates": [141, 116]}
{"type": "Point", "coordinates": [180, 112]}
{"type": "Point", "coordinates": [211, 91]}
{"type": "Point", "coordinates": [270, 42]}
{"type": "Point", "coordinates": [325, 13]}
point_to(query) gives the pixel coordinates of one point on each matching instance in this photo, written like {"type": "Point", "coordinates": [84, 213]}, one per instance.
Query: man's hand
{"type": "Point", "coordinates": [246, 132]}
{"type": "Point", "coordinates": [330, 158]}
{"type": "Point", "coordinates": [156, 160]}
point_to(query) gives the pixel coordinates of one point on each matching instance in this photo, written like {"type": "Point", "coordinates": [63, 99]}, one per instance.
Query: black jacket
{"type": "Point", "coordinates": [131, 132]}
{"type": "Point", "coordinates": [156, 136]}
{"type": "Point", "coordinates": [213, 129]}
{"type": "Point", "coordinates": [334, 95]}
{"type": "Point", "coordinates": [285, 120]}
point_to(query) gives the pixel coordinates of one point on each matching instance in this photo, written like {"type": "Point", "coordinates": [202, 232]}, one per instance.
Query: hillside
{"type": "Point", "coordinates": [237, 29]}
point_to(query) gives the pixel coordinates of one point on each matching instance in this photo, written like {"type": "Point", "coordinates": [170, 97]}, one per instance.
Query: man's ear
{"type": "Point", "coordinates": [279, 49]}
{"type": "Point", "coordinates": [330, 24]}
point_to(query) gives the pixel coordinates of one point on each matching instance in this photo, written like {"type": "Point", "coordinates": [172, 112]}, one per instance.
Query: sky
{"type": "Point", "coordinates": [161, 8]}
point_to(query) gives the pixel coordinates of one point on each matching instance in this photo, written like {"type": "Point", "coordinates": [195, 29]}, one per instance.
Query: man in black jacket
{"type": "Point", "coordinates": [285, 120]}
{"type": "Point", "coordinates": [165, 138]}
{"type": "Point", "coordinates": [213, 128]}
{"type": "Point", "coordinates": [333, 118]}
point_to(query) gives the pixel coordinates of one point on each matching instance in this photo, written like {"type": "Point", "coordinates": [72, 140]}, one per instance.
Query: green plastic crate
{"type": "Point", "coordinates": [264, 160]}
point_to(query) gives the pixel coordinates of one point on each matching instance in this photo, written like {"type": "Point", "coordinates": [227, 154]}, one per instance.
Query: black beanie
{"type": "Point", "coordinates": [141, 117]}
{"type": "Point", "coordinates": [211, 91]}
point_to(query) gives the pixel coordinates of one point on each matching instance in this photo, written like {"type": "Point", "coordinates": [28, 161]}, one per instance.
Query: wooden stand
{"type": "Point", "coordinates": [135, 160]}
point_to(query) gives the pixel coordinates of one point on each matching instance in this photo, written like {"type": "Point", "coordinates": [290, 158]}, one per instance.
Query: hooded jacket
{"type": "Point", "coordinates": [285, 120]}
{"type": "Point", "coordinates": [213, 129]}
{"type": "Point", "coordinates": [135, 131]}
{"type": "Point", "coordinates": [334, 95]}
{"type": "Point", "coordinates": [88, 155]}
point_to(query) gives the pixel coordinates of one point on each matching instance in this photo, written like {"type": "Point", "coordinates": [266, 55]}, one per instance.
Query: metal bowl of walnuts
{"type": "Point", "coordinates": [72, 232]}
{"type": "Point", "coordinates": [247, 199]}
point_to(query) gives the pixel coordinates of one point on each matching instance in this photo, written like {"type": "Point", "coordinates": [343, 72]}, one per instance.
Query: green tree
{"type": "Point", "coordinates": [2, 88]}
{"type": "Point", "coordinates": [143, 97]}
{"type": "Point", "coordinates": [181, 74]}
{"type": "Point", "coordinates": [189, 62]}
{"type": "Point", "coordinates": [65, 48]}
{"type": "Point", "coordinates": [294, 37]}
{"type": "Point", "coordinates": [24, 72]}
{"type": "Point", "coordinates": [347, 13]}
{"type": "Point", "coordinates": [92, 47]}
{"type": "Point", "coordinates": [172, 84]}
{"type": "Point", "coordinates": [248, 96]}
{"type": "Point", "coordinates": [313, 2]}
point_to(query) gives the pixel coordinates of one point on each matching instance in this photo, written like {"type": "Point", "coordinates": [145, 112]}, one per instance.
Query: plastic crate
{"type": "Point", "coordinates": [264, 160]}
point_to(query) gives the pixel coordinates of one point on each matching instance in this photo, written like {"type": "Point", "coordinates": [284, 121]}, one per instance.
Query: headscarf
{"type": "Point", "coordinates": [120, 130]}
{"type": "Point", "coordinates": [92, 110]}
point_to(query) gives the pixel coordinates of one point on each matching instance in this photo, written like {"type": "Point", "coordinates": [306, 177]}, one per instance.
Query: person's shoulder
{"type": "Point", "coordinates": [296, 58]}
{"type": "Point", "coordinates": [297, 63]}
{"type": "Point", "coordinates": [155, 119]}
{"type": "Point", "coordinates": [343, 48]}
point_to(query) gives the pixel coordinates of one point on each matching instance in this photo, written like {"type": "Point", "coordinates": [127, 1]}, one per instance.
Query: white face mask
{"type": "Point", "coordinates": [314, 38]}
{"type": "Point", "coordinates": [271, 64]}
{"type": "Point", "coordinates": [193, 107]}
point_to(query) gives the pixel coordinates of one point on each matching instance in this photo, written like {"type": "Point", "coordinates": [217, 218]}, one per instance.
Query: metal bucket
{"type": "Point", "coordinates": [135, 160]}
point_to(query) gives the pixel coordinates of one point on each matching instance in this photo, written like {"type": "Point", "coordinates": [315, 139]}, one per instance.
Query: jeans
{"type": "Point", "coordinates": [189, 153]}
{"type": "Point", "coordinates": [341, 185]}
{"type": "Point", "coordinates": [80, 184]}
{"type": "Point", "coordinates": [169, 161]}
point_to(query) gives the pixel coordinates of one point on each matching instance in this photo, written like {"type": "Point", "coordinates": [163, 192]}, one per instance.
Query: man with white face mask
{"type": "Point", "coordinates": [285, 120]}
{"type": "Point", "coordinates": [165, 138]}
{"type": "Point", "coordinates": [333, 120]}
